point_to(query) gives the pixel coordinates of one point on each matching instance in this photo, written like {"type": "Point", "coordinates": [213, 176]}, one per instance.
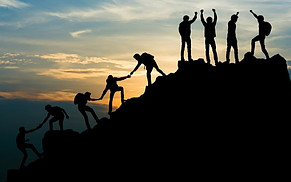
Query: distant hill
{"type": "Point", "coordinates": [228, 121]}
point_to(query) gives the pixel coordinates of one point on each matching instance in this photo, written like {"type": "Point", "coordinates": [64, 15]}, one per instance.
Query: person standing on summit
{"type": "Point", "coordinates": [209, 34]}
{"type": "Point", "coordinates": [264, 30]}
{"type": "Point", "coordinates": [231, 38]}
{"type": "Point", "coordinates": [185, 32]}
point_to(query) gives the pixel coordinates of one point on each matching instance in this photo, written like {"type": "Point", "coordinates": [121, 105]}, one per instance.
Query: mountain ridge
{"type": "Point", "coordinates": [229, 117]}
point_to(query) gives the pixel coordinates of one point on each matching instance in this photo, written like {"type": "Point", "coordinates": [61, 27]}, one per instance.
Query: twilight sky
{"type": "Point", "coordinates": [52, 49]}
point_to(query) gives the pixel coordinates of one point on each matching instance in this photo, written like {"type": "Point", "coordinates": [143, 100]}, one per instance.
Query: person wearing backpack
{"type": "Point", "coordinates": [149, 62]}
{"type": "Point", "coordinates": [264, 30]}
{"type": "Point", "coordinates": [81, 100]}
{"type": "Point", "coordinates": [111, 84]}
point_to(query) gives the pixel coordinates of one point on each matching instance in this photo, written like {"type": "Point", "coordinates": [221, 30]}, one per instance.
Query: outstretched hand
{"type": "Point", "coordinates": [251, 11]}
{"type": "Point", "coordinates": [201, 10]}
{"type": "Point", "coordinates": [213, 10]}
{"type": "Point", "coordinates": [237, 13]}
{"type": "Point", "coordinates": [195, 13]}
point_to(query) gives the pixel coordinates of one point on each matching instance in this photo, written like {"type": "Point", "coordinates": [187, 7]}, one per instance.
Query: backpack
{"type": "Point", "coordinates": [147, 59]}
{"type": "Point", "coordinates": [268, 28]}
{"type": "Point", "coordinates": [78, 98]}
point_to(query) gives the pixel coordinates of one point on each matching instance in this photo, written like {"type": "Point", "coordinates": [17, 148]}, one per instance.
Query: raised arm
{"type": "Point", "coordinates": [215, 16]}
{"type": "Point", "coordinates": [202, 17]}
{"type": "Point", "coordinates": [194, 18]}
{"type": "Point", "coordinates": [136, 67]}
{"type": "Point", "coordinates": [255, 15]}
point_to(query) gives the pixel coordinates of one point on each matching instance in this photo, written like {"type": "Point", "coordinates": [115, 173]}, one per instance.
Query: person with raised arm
{"type": "Point", "coordinates": [111, 84]}
{"type": "Point", "coordinates": [185, 32]}
{"type": "Point", "coordinates": [210, 34]}
{"type": "Point", "coordinates": [264, 30]}
{"type": "Point", "coordinates": [231, 38]}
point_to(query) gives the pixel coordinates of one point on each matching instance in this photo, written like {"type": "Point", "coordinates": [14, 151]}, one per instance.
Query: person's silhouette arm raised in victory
{"type": "Point", "coordinates": [215, 17]}
{"type": "Point", "coordinates": [202, 17]}
{"type": "Point", "coordinates": [194, 18]}
{"type": "Point", "coordinates": [255, 15]}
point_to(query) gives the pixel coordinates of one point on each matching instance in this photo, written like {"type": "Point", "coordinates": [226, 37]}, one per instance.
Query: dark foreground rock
{"type": "Point", "coordinates": [228, 121]}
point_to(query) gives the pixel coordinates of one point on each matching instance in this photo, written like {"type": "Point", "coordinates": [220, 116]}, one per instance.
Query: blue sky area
{"type": "Point", "coordinates": [52, 49]}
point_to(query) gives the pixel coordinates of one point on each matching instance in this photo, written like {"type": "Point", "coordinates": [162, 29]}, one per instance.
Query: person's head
{"type": "Point", "coordinates": [260, 18]}
{"type": "Point", "coordinates": [21, 129]}
{"type": "Point", "coordinates": [136, 56]}
{"type": "Point", "coordinates": [48, 107]}
{"type": "Point", "coordinates": [234, 18]}
{"type": "Point", "coordinates": [209, 20]}
{"type": "Point", "coordinates": [109, 78]}
{"type": "Point", "coordinates": [185, 17]}
{"type": "Point", "coordinates": [87, 94]}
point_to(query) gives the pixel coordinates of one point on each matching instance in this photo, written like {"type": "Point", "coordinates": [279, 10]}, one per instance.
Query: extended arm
{"type": "Point", "coordinates": [136, 67]}
{"type": "Point", "coordinates": [32, 130]}
{"type": "Point", "coordinates": [122, 78]}
{"type": "Point", "coordinates": [255, 15]}
{"type": "Point", "coordinates": [194, 18]}
{"type": "Point", "coordinates": [202, 17]}
{"type": "Point", "coordinates": [45, 119]}
{"type": "Point", "coordinates": [215, 16]}
{"type": "Point", "coordinates": [103, 93]}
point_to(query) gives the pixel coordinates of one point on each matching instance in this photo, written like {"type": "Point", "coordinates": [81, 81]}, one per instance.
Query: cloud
{"type": "Point", "coordinates": [13, 4]}
{"type": "Point", "coordinates": [62, 95]}
{"type": "Point", "coordinates": [72, 58]}
{"type": "Point", "coordinates": [78, 33]}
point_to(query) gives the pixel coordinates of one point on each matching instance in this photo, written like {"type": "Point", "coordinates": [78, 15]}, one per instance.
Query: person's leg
{"type": "Point", "coordinates": [61, 123]}
{"type": "Point", "coordinates": [188, 40]}
{"type": "Point", "coordinates": [263, 47]}
{"type": "Point", "coordinates": [253, 45]}
{"type": "Point", "coordinates": [121, 93]}
{"type": "Point", "coordinates": [54, 119]}
{"type": "Point", "coordinates": [87, 108]}
{"type": "Point", "coordinates": [228, 52]}
{"type": "Point", "coordinates": [149, 78]}
{"type": "Point", "coordinates": [24, 158]}
{"type": "Point", "coordinates": [207, 51]}
{"type": "Point", "coordinates": [83, 112]}
{"type": "Point", "coordinates": [182, 48]}
{"type": "Point", "coordinates": [33, 149]}
{"type": "Point", "coordinates": [213, 46]}
{"type": "Point", "coordinates": [111, 101]}
{"type": "Point", "coordinates": [235, 48]}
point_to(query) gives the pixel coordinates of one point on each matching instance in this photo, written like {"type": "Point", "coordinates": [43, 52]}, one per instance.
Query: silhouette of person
{"type": "Point", "coordinates": [111, 84]}
{"type": "Point", "coordinates": [262, 35]}
{"type": "Point", "coordinates": [231, 38]}
{"type": "Point", "coordinates": [22, 145]}
{"type": "Point", "coordinates": [149, 62]}
{"type": "Point", "coordinates": [82, 107]}
{"type": "Point", "coordinates": [209, 34]}
{"type": "Point", "coordinates": [58, 115]}
{"type": "Point", "coordinates": [185, 32]}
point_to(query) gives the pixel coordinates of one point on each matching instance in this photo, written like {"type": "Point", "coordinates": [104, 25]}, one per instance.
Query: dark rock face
{"type": "Point", "coordinates": [215, 121]}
